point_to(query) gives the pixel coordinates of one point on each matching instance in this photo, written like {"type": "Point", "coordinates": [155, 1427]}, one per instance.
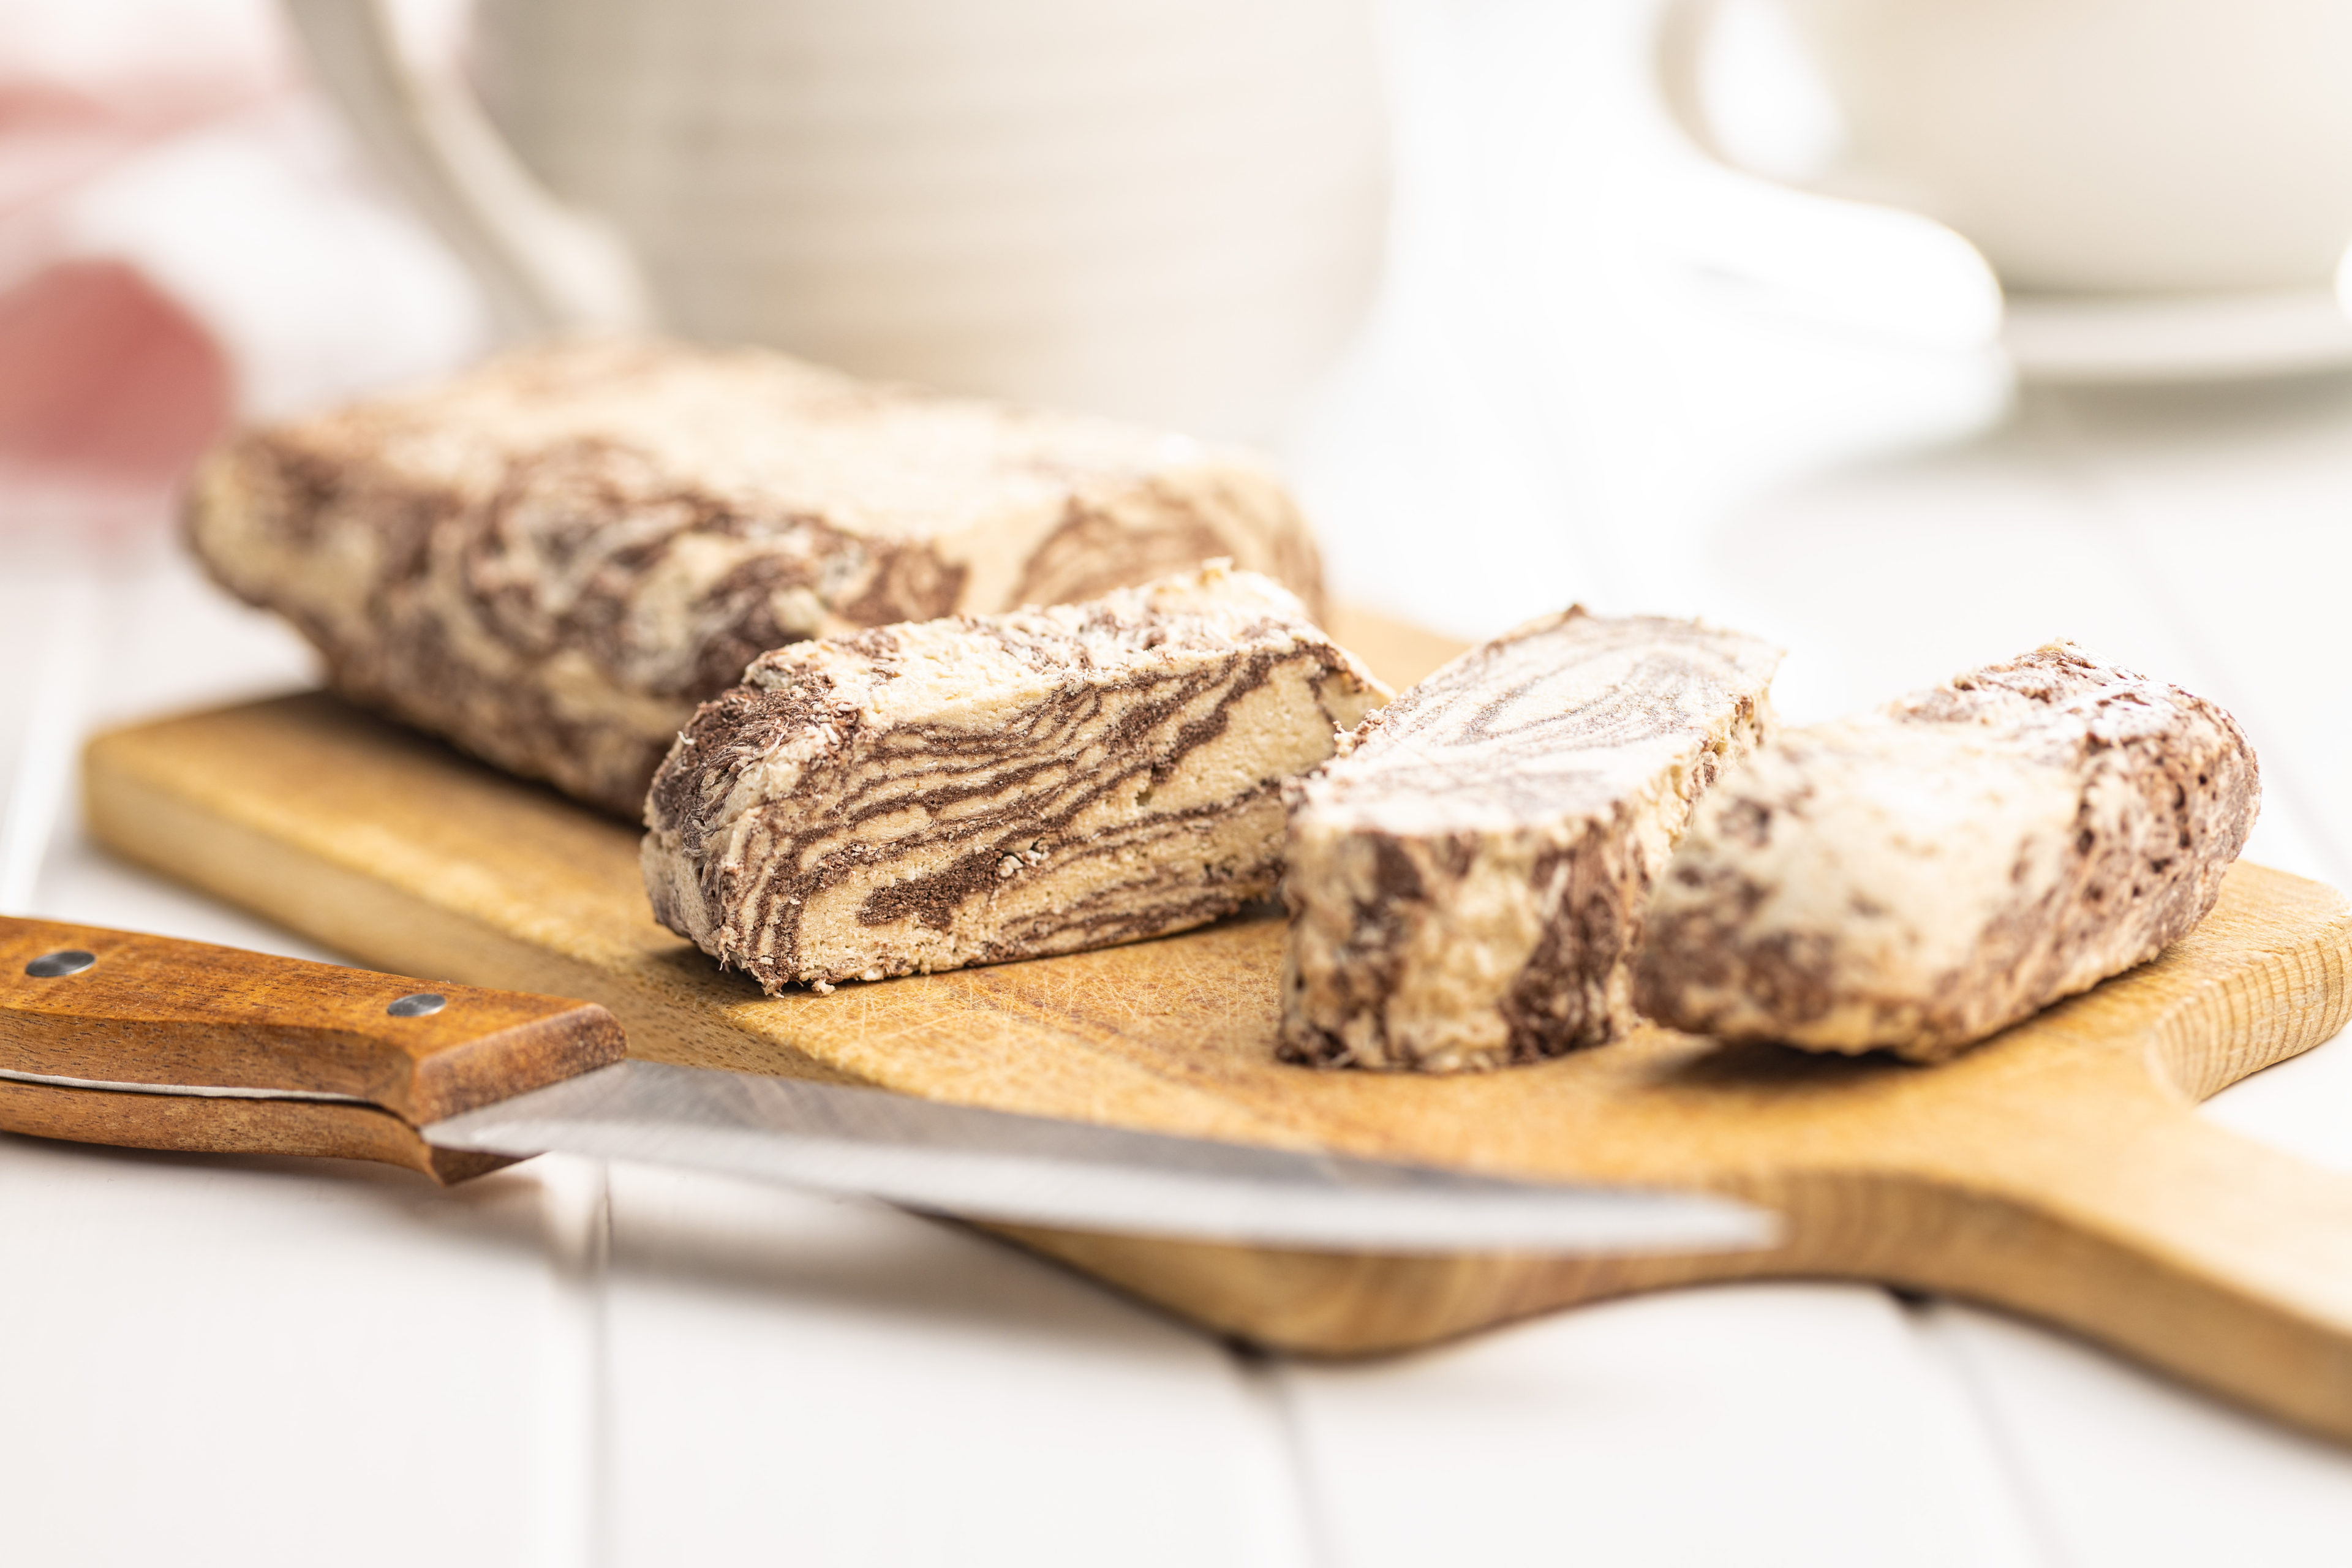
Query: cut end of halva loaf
{"type": "Point", "coordinates": [1919, 878]}
{"type": "Point", "coordinates": [550, 559]}
{"type": "Point", "coordinates": [977, 788]}
{"type": "Point", "coordinates": [1465, 883]}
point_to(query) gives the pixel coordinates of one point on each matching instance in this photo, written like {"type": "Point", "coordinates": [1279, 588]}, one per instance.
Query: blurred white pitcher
{"type": "Point", "coordinates": [1167, 209]}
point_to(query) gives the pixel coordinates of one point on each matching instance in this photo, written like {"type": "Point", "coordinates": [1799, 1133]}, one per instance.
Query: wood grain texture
{"type": "Point", "coordinates": [156, 1010]}
{"type": "Point", "coordinates": [2059, 1171]}
{"type": "Point", "coordinates": [233, 1127]}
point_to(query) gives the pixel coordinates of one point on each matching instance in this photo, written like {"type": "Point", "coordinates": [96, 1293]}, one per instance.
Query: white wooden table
{"type": "Point", "coordinates": [268, 1362]}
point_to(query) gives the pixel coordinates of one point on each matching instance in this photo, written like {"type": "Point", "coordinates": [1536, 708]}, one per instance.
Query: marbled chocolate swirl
{"type": "Point", "coordinates": [1918, 878]}
{"type": "Point", "coordinates": [973, 789]}
{"type": "Point", "coordinates": [551, 558]}
{"type": "Point", "coordinates": [1466, 882]}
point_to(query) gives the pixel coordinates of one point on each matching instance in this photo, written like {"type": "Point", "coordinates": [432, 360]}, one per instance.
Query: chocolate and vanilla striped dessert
{"type": "Point", "coordinates": [552, 558]}
{"type": "Point", "coordinates": [1466, 882]}
{"type": "Point", "coordinates": [1918, 879]}
{"type": "Point", "coordinates": [977, 788]}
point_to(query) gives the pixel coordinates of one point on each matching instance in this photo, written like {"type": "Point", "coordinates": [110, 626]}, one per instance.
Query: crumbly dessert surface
{"type": "Point", "coordinates": [551, 558]}
{"type": "Point", "coordinates": [1919, 878]}
{"type": "Point", "coordinates": [972, 789]}
{"type": "Point", "coordinates": [1465, 882]}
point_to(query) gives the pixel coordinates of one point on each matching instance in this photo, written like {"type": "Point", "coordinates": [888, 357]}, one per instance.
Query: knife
{"type": "Point", "coordinates": [109, 1037]}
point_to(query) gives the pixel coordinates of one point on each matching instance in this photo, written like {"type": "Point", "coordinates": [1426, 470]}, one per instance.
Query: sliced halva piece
{"type": "Point", "coordinates": [552, 558]}
{"type": "Point", "coordinates": [1465, 883]}
{"type": "Point", "coordinates": [1921, 877]}
{"type": "Point", "coordinates": [964, 790]}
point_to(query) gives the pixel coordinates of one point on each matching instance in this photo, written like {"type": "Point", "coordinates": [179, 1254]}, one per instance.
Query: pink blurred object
{"type": "Point", "coordinates": [184, 240]}
{"type": "Point", "coordinates": [101, 374]}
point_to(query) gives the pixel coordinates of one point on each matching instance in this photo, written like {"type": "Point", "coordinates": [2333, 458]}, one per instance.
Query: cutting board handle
{"type": "Point", "coordinates": [2222, 1260]}
{"type": "Point", "coordinates": [110, 1037]}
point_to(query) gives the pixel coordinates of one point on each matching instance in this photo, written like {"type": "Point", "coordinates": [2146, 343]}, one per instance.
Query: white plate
{"type": "Point", "coordinates": [2153, 338]}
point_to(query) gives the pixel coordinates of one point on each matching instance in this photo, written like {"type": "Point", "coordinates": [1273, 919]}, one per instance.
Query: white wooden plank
{"type": "Point", "coordinates": [2127, 1470]}
{"type": "Point", "coordinates": [51, 645]}
{"type": "Point", "coordinates": [1760, 1423]}
{"type": "Point", "coordinates": [174, 641]}
{"type": "Point", "coordinates": [266, 1362]}
{"type": "Point", "coordinates": [259, 1361]}
{"type": "Point", "coordinates": [796, 1379]}
{"type": "Point", "coordinates": [2234, 499]}
{"type": "Point", "coordinates": [2302, 1106]}
{"type": "Point", "coordinates": [158, 638]}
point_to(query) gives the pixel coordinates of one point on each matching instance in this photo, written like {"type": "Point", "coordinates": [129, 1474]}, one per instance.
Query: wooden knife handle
{"type": "Point", "coordinates": [86, 1007]}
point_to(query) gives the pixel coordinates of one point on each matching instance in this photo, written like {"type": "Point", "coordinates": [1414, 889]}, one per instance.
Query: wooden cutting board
{"type": "Point", "coordinates": [2058, 1171]}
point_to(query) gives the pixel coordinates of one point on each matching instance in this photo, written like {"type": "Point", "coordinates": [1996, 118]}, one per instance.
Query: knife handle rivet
{"type": "Point", "coordinates": [418, 1004]}
{"type": "Point", "coordinates": [65, 961]}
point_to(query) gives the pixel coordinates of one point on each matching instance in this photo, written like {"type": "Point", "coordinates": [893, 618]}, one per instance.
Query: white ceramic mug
{"type": "Point", "coordinates": [2091, 147]}
{"type": "Point", "coordinates": [1166, 209]}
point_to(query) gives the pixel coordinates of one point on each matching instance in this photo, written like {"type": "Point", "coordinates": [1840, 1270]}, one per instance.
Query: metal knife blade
{"type": "Point", "coordinates": [110, 1037]}
{"type": "Point", "coordinates": [999, 1166]}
